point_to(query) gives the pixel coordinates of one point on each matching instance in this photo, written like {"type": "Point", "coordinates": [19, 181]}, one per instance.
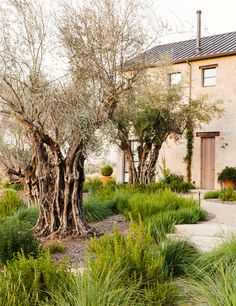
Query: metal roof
{"type": "Point", "coordinates": [211, 46]}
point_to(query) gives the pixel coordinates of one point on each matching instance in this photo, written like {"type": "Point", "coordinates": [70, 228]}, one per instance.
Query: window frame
{"type": "Point", "coordinates": [203, 78]}
{"type": "Point", "coordinates": [172, 73]}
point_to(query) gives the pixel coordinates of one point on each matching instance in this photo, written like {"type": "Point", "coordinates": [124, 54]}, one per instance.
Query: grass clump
{"type": "Point", "coordinates": [138, 257]}
{"type": "Point", "coordinates": [225, 253]}
{"type": "Point", "coordinates": [212, 194]}
{"type": "Point", "coordinates": [179, 255]}
{"type": "Point", "coordinates": [95, 287]}
{"type": "Point", "coordinates": [29, 215]}
{"type": "Point", "coordinates": [96, 209]}
{"type": "Point", "coordinates": [211, 279]}
{"type": "Point", "coordinates": [10, 202]}
{"type": "Point", "coordinates": [29, 281]}
{"type": "Point", "coordinates": [147, 205]}
{"type": "Point", "coordinates": [16, 236]}
{"type": "Point", "coordinates": [55, 247]}
{"type": "Point", "coordinates": [165, 222]}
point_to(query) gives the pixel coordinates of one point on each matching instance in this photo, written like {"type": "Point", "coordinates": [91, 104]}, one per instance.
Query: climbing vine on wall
{"type": "Point", "coordinates": [189, 146]}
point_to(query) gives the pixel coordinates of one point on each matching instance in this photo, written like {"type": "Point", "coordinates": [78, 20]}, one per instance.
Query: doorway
{"type": "Point", "coordinates": [207, 162]}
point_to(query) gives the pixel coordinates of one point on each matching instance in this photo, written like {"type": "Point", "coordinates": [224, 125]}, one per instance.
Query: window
{"type": "Point", "coordinates": [209, 76]}
{"type": "Point", "coordinates": [175, 78]}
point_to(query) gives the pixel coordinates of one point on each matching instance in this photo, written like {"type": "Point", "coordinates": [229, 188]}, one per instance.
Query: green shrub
{"type": "Point", "coordinates": [55, 247]}
{"type": "Point", "coordinates": [29, 281]}
{"type": "Point", "coordinates": [29, 215]}
{"type": "Point", "coordinates": [107, 170]}
{"type": "Point", "coordinates": [171, 177]}
{"type": "Point", "coordinates": [176, 186]}
{"type": "Point", "coordinates": [96, 209]}
{"type": "Point", "coordinates": [137, 256]}
{"type": "Point", "coordinates": [10, 202]}
{"type": "Point", "coordinates": [179, 255]}
{"type": "Point", "coordinates": [176, 183]}
{"type": "Point", "coordinates": [16, 236]}
{"type": "Point", "coordinates": [227, 174]}
{"type": "Point", "coordinates": [212, 194]}
{"type": "Point", "coordinates": [180, 187]}
{"type": "Point", "coordinates": [146, 205]}
{"type": "Point", "coordinates": [228, 194]}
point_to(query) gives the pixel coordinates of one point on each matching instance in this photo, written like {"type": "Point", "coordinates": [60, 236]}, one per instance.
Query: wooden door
{"type": "Point", "coordinates": [208, 162]}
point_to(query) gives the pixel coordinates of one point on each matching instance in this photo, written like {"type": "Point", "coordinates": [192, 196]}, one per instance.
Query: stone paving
{"type": "Point", "coordinates": [220, 226]}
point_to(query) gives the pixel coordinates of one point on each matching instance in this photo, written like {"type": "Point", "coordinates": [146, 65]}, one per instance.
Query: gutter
{"type": "Point", "coordinates": [197, 58]}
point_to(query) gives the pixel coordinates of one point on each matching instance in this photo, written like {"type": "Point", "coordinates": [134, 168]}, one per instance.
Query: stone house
{"type": "Point", "coordinates": [208, 67]}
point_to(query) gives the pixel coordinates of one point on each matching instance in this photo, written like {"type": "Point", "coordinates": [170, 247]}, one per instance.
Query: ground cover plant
{"type": "Point", "coordinates": [227, 194]}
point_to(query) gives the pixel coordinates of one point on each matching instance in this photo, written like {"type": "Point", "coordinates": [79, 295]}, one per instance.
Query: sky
{"type": "Point", "coordinates": [217, 17]}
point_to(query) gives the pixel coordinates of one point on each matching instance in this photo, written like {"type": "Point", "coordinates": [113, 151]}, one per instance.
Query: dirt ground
{"type": "Point", "coordinates": [75, 248]}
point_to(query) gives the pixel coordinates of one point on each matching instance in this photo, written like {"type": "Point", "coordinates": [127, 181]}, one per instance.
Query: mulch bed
{"type": "Point", "coordinates": [75, 248]}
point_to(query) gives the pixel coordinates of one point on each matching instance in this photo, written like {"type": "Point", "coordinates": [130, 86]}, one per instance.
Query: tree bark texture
{"type": "Point", "coordinates": [59, 189]}
{"type": "Point", "coordinates": [145, 170]}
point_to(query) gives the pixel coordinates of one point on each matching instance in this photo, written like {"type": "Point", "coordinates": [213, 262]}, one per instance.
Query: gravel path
{"type": "Point", "coordinates": [220, 213]}
{"type": "Point", "coordinates": [220, 226]}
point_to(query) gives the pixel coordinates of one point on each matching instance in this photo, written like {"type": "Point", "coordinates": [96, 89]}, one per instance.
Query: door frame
{"type": "Point", "coordinates": [205, 135]}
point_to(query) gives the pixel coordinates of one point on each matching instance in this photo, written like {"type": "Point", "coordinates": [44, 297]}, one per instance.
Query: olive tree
{"type": "Point", "coordinates": [61, 116]}
{"type": "Point", "coordinates": [151, 112]}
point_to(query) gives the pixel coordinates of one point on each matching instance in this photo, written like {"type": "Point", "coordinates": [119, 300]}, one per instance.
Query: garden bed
{"type": "Point", "coordinates": [75, 248]}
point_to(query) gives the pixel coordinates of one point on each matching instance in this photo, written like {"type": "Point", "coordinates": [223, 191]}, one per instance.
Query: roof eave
{"type": "Point", "coordinates": [197, 58]}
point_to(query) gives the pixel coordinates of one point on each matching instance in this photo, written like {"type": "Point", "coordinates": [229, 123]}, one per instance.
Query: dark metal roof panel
{"type": "Point", "coordinates": [186, 50]}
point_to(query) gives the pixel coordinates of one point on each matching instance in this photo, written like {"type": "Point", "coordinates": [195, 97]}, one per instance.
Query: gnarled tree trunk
{"type": "Point", "coordinates": [146, 169]}
{"type": "Point", "coordinates": [60, 189]}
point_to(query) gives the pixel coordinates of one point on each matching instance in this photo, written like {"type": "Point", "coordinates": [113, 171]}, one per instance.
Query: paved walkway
{"type": "Point", "coordinates": [220, 226]}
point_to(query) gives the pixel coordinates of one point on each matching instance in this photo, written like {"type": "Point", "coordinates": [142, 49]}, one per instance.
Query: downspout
{"type": "Point", "coordinates": [189, 134]}
{"type": "Point", "coordinates": [190, 80]}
